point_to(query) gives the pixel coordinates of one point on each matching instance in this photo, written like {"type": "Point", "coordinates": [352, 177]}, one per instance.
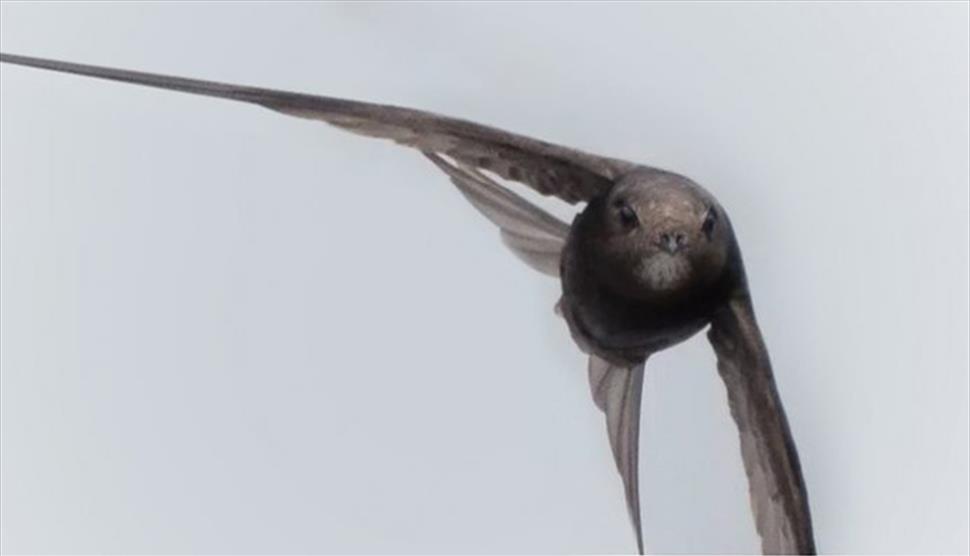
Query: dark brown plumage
{"type": "Point", "coordinates": [650, 261]}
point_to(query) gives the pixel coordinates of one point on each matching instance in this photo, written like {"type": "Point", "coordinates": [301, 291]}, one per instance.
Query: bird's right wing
{"type": "Point", "coordinates": [533, 235]}
{"type": "Point", "coordinates": [462, 149]}
{"type": "Point", "coordinates": [617, 392]}
{"type": "Point", "coordinates": [550, 169]}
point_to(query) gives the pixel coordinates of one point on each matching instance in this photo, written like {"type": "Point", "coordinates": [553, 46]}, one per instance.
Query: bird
{"type": "Point", "coordinates": [650, 260]}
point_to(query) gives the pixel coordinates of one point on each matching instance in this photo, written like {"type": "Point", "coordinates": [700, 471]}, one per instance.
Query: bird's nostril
{"type": "Point", "coordinates": [671, 241]}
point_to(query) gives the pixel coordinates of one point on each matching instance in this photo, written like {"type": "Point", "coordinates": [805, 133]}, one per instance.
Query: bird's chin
{"type": "Point", "coordinates": [664, 274]}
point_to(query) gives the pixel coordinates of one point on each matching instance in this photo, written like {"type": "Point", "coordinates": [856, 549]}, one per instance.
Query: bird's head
{"type": "Point", "coordinates": [658, 236]}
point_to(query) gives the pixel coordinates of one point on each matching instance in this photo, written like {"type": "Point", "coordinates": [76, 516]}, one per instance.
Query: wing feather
{"type": "Point", "coordinates": [778, 496]}
{"type": "Point", "coordinates": [551, 169]}
{"type": "Point", "coordinates": [533, 235]}
{"type": "Point", "coordinates": [617, 392]}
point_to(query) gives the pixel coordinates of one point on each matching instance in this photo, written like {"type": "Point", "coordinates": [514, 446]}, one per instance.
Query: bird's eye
{"type": "Point", "coordinates": [628, 216]}
{"type": "Point", "coordinates": [710, 219]}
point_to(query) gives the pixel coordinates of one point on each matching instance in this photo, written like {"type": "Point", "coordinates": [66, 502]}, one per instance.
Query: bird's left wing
{"type": "Point", "coordinates": [776, 486]}
{"type": "Point", "coordinates": [617, 392]}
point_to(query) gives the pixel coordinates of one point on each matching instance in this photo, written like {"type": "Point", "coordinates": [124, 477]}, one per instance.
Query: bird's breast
{"type": "Point", "coordinates": [625, 334]}
{"type": "Point", "coordinates": [617, 328]}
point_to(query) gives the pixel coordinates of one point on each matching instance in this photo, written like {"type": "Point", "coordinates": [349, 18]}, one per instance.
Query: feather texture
{"type": "Point", "coordinates": [533, 235]}
{"type": "Point", "coordinates": [550, 169]}
{"type": "Point", "coordinates": [617, 391]}
{"type": "Point", "coordinates": [778, 496]}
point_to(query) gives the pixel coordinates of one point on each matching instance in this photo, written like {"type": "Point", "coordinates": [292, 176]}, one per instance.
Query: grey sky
{"type": "Point", "coordinates": [226, 330]}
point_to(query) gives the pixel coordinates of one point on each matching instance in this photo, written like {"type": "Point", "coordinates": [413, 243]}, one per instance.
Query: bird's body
{"type": "Point", "coordinates": [616, 326]}
{"type": "Point", "coordinates": [626, 302]}
{"type": "Point", "coordinates": [650, 261]}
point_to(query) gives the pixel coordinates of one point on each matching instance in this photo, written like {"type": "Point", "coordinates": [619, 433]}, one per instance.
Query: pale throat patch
{"type": "Point", "coordinates": [662, 271]}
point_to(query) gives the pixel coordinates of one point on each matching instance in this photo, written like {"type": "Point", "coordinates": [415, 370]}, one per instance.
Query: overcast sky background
{"type": "Point", "coordinates": [226, 330]}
